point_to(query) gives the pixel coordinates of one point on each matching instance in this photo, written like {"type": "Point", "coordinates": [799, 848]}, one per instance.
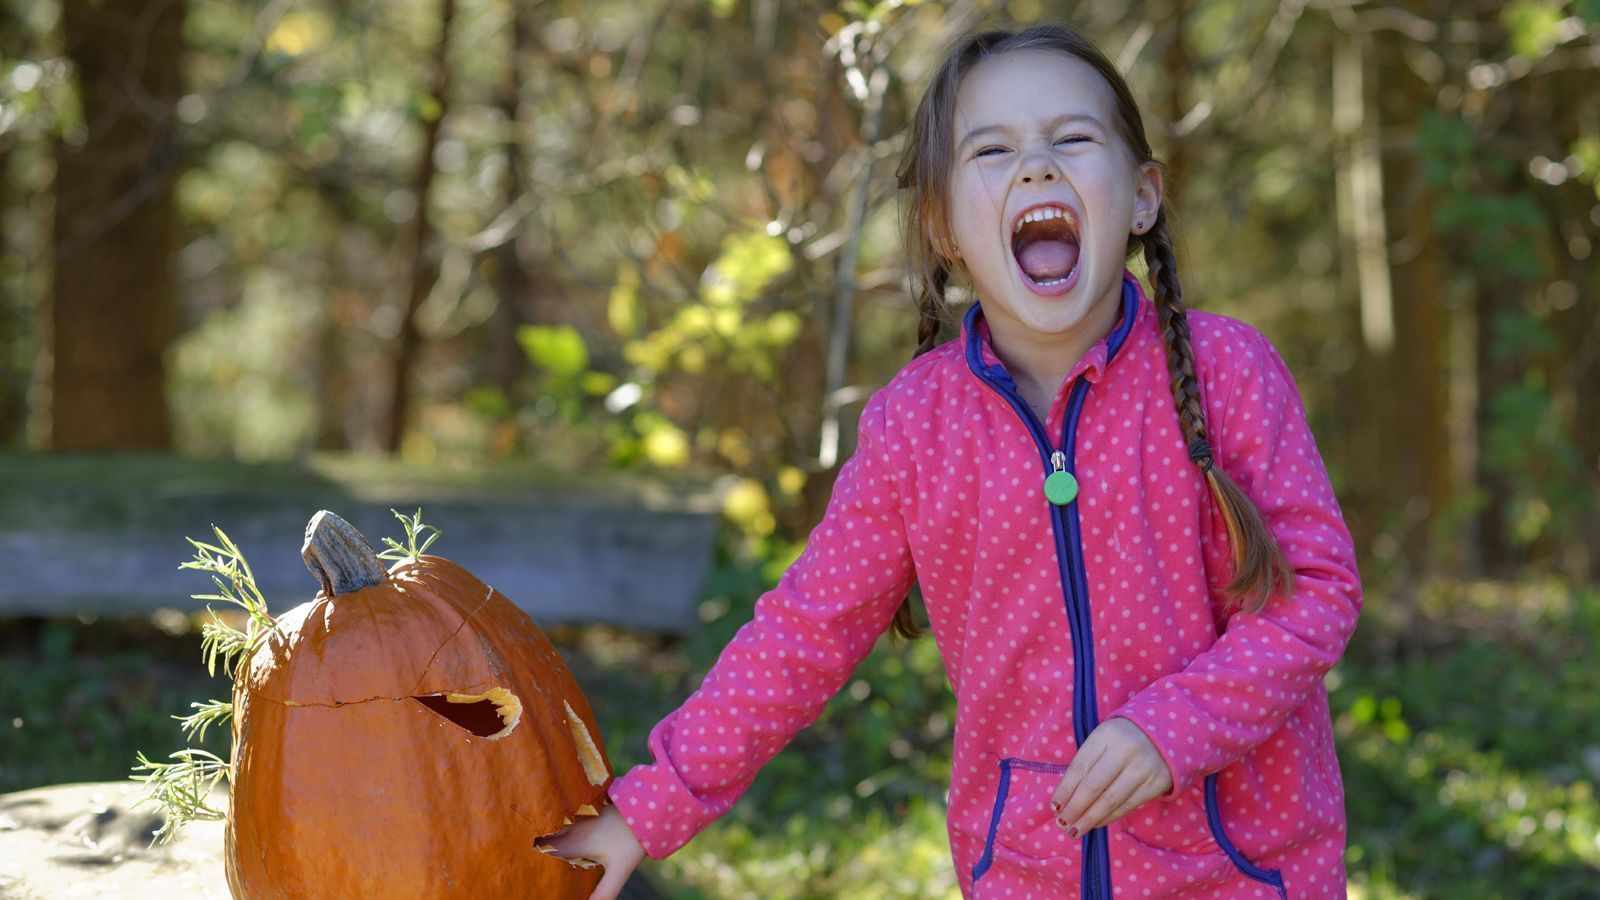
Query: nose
{"type": "Point", "coordinates": [1037, 168]}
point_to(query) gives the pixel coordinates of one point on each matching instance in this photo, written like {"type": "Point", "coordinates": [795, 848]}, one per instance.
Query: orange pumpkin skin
{"type": "Point", "coordinates": [346, 786]}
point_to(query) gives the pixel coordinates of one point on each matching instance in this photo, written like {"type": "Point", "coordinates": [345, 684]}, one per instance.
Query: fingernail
{"type": "Point", "coordinates": [1072, 832]}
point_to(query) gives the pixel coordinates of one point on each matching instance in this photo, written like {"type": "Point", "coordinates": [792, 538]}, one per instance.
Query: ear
{"type": "Point", "coordinates": [1147, 197]}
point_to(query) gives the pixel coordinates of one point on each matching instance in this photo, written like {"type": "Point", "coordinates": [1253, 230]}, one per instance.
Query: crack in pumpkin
{"type": "Point", "coordinates": [504, 705]}
{"type": "Point", "coordinates": [470, 616]}
{"type": "Point", "coordinates": [414, 691]}
{"type": "Point", "coordinates": [330, 705]}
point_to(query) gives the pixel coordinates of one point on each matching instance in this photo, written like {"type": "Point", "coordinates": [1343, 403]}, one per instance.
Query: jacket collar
{"type": "Point", "coordinates": [979, 347]}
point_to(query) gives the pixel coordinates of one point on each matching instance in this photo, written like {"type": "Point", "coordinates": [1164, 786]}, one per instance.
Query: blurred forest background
{"type": "Point", "coordinates": [661, 236]}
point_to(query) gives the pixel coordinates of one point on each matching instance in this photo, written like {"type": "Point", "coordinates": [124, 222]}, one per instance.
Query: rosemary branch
{"type": "Point", "coordinates": [409, 551]}
{"type": "Point", "coordinates": [182, 788]}
{"type": "Point", "coordinates": [211, 712]}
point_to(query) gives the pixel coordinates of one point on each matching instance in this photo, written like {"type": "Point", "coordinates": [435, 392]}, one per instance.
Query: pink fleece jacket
{"type": "Point", "coordinates": [1051, 618]}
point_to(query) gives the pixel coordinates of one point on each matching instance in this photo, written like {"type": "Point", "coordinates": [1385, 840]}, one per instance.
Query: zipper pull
{"type": "Point", "coordinates": [1060, 487]}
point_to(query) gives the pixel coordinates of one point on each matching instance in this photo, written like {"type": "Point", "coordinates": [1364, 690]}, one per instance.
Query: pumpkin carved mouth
{"type": "Point", "coordinates": [594, 769]}
{"type": "Point", "coordinates": [492, 714]}
{"type": "Point", "coordinates": [496, 712]}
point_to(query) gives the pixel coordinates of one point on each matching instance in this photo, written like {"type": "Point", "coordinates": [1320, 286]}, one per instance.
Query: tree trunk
{"type": "Point", "coordinates": [512, 280]}
{"type": "Point", "coordinates": [11, 382]}
{"type": "Point", "coordinates": [115, 230]}
{"type": "Point", "coordinates": [1400, 273]}
{"type": "Point", "coordinates": [424, 262]}
{"type": "Point", "coordinates": [1418, 463]}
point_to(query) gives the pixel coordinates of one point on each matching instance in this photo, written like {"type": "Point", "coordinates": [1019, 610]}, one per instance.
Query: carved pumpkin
{"type": "Point", "coordinates": [408, 733]}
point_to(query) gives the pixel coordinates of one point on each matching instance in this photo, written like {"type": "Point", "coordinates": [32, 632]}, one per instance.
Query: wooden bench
{"type": "Point", "coordinates": [103, 534]}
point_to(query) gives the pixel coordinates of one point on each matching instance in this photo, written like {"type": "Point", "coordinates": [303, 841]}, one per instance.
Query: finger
{"type": "Point", "coordinates": [1089, 788]}
{"type": "Point", "coordinates": [1138, 799]}
{"type": "Point", "coordinates": [1115, 794]}
{"type": "Point", "coordinates": [1080, 765]}
{"type": "Point", "coordinates": [611, 885]}
{"type": "Point", "coordinates": [563, 844]}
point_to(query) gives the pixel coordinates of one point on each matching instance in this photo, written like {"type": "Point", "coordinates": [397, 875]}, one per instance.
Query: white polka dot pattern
{"type": "Point", "coordinates": [944, 487]}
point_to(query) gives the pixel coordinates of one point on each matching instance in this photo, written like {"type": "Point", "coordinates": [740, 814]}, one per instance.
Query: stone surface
{"type": "Point", "coordinates": [104, 534]}
{"type": "Point", "coordinates": [90, 840]}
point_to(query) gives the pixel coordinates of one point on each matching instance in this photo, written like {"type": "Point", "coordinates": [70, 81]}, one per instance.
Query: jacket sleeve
{"type": "Point", "coordinates": [780, 669]}
{"type": "Point", "coordinates": [1235, 694]}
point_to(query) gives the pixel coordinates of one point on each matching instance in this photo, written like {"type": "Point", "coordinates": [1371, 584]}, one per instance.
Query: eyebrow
{"type": "Point", "coordinates": [1053, 124]}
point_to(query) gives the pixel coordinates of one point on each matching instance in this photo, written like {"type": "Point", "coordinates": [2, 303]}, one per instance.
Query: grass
{"type": "Point", "coordinates": [1468, 730]}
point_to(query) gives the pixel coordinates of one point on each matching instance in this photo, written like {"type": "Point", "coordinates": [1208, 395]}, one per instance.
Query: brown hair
{"type": "Point", "coordinates": [1260, 568]}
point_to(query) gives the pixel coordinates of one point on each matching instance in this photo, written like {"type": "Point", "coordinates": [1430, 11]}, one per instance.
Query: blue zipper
{"type": "Point", "coordinates": [1069, 553]}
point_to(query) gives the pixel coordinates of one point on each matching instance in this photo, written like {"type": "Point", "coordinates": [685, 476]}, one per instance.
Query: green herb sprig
{"type": "Point", "coordinates": [415, 530]}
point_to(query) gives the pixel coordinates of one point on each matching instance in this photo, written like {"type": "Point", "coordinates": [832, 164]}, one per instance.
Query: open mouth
{"type": "Point", "coordinates": [1044, 242]}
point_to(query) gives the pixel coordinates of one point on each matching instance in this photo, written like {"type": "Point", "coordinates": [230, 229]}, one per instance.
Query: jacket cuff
{"type": "Point", "coordinates": [662, 813]}
{"type": "Point", "coordinates": [1145, 720]}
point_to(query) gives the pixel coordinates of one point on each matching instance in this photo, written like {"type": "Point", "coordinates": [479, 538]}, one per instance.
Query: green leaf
{"type": "Point", "coordinates": [1535, 26]}
{"type": "Point", "coordinates": [1446, 142]}
{"type": "Point", "coordinates": [410, 551]}
{"type": "Point", "coordinates": [623, 309]}
{"type": "Point", "coordinates": [211, 712]}
{"type": "Point", "coordinates": [182, 788]}
{"type": "Point", "coordinates": [749, 262]}
{"type": "Point", "coordinates": [488, 401]}
{"type": "Point", "coordinates": [1586, 150]}
{"type": "Point", "coordinates": [556, 348]}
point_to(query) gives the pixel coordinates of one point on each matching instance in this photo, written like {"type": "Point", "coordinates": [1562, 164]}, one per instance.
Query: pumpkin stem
{"type": "Point", "coordinates": [340, 556]}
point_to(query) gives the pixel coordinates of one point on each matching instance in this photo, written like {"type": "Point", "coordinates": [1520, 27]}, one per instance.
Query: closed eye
{"type": "Point", "coordinates": [986, 151]}
{"type": "Point", "coordinates": [1073, 139]}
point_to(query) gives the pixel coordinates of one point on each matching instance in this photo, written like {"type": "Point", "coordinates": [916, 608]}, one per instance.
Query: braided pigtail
{"type": "Point", "coordinates": [931, 310]}
{"type": "Point", "coordinates": [1260, 568]}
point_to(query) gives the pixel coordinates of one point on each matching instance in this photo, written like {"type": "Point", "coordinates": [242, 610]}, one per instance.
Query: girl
{"type": "Point", "coordinates": [1134, 565]}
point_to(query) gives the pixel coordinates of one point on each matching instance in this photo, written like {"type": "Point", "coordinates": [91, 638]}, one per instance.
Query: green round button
{"type": "Point", "coordinates": [1060, 488]}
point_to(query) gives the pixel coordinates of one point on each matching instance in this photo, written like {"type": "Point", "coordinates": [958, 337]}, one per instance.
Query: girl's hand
{"type": "Point", "coordinates": [1115, 771]}
{"type": "Point", "coordinates": [606, 839]}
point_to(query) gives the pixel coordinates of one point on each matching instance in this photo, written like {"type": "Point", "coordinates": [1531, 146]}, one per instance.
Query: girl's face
{"type": "Point", "coordinates": [1035, 140]}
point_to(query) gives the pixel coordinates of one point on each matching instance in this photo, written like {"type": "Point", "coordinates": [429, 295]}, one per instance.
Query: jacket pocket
{"type": "Point", "coordinates": [1023, 821]}
{"type": "Point", "coordinates": [1273, 877]}
{"type": "Point", "coordinates": [1183, 838]}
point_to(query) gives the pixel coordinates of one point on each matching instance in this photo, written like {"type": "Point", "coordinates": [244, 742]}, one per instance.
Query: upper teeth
{"type": "Point", "coordinates": [1039, 215]}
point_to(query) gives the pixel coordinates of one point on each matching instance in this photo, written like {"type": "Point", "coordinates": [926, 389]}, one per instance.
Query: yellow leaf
{"type": "Point", "coordinates": [791, 480]}
{"type": "Point", "coordinates": [746, 506]}
{"type": "Point", "coordinates": [300, 32]}
{"type": "Point", "coordinates": [666, 446]}
{"type": "Point", "coordinates": [623, 310]}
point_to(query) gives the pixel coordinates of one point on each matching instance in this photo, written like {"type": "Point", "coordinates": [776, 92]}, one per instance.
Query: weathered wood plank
{"type": "Point", "coordinates": [104, 534]}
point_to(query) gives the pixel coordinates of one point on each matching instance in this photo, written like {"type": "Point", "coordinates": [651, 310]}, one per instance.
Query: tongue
{"type": "Point", "coordinates": [1044, 260]}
